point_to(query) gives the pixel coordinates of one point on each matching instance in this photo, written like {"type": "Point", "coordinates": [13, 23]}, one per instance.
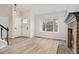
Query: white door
{"type": "Point", "coordinates": [24, 30]}
{"type": "Point", "coordinates": [25, 27]}
{"type": "Point", "coordinates": [16, 26]}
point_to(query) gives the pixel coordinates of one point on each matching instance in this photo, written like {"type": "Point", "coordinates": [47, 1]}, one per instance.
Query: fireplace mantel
{"type": "Point", "coordinates": [72, 16]}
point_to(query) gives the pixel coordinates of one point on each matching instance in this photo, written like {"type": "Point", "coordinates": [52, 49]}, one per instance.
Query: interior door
{"type": "Point", "coordinates": [17, 26]}
{"type": "Point", "coordinates": [25, 27]}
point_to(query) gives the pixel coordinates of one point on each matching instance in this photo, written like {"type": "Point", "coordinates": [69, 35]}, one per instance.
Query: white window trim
{"type": "Point", "coordinates": [49, 32]}
{"type": "Point", "coordinates": [41, 23]}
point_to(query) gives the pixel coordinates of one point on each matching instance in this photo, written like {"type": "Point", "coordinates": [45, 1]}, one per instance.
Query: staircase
{"type": "Point", "coordinates": [3, 42]}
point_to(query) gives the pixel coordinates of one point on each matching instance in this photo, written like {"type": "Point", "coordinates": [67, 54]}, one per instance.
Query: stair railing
{"type": "Point", "coordinates": [2, 27]}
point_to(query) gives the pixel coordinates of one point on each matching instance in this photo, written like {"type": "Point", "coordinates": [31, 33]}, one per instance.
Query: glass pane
{"type": "Point", "coordinates": [49, 26]}
{"type": "Point", "coordinates": [55, 27]}
{"type": "Point", "coordinates": [43, 26]}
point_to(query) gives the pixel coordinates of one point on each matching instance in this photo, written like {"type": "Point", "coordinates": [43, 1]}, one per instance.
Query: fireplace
{"type": "Point", "coordinates": [71, 40]}
{"type": "Point", "coordinates": [72, 21]}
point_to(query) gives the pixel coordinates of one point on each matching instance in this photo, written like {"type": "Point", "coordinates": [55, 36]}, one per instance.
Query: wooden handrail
{"type": "Point", "coordinates": [3, 27]}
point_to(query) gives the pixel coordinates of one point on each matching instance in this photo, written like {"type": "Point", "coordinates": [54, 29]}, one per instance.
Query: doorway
{"type": "Point", "coordinates": [25, 27]}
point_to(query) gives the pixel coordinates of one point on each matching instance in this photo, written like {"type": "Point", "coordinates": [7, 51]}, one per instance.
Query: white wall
{"type": "Point", "coordinates": [4, 18]}
{"type": "Point", "coordinates": [4, 22]}
{"type": "Point", "coordinates": [32, 27]}
{"type": "Point", "coordinates": [62, 34]}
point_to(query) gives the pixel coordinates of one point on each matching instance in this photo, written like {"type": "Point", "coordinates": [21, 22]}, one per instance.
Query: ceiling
{"type": "Point", "coordinates": [39, 8]}
{"type": "Point", "coordinates": [42, 8]}
{"type": "Point", "coordinates": [45, 8]}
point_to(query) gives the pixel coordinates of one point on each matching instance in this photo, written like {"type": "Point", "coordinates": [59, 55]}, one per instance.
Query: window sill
{"type": "Point", "coordinates": [48, 32]}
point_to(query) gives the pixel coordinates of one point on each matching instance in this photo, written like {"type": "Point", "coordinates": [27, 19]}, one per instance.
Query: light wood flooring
{"type": "Point", "coordinates": [31, 46]}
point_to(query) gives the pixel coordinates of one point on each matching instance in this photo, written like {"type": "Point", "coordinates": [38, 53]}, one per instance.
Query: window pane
{"type": "Point", "coordinates": [55, 27]}
{"type": "Point", "coordinates": [43, 26]}
{"type": "Point", "coordinates": [49, 26]}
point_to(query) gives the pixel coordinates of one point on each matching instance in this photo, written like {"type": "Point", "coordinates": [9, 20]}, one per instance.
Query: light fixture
{"type": "Point", "coordinates": [14, 9]}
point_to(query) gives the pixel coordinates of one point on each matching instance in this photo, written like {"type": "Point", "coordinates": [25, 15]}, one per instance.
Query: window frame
{"type": "Point", "coordinates": [41, 26]}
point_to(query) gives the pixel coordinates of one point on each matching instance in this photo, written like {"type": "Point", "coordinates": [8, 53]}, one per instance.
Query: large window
{"type": "Point", "coordinates": [50, 25]}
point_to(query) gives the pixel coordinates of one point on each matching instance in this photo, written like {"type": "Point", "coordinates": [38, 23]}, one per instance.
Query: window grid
{"type": "Point", "coordinates": [50, 26]}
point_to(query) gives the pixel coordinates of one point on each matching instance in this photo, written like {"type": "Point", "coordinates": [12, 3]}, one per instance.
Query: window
{"type": "Point", "coordinates": [50, 25]}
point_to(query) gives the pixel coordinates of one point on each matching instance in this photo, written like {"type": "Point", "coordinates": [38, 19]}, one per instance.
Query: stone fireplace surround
{"type": "Point", "coordinates": [72, 21]}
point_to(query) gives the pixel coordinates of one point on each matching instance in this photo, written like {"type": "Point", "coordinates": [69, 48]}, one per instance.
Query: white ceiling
{"type": "Point", "coordinates": [45, 8]}
{"type": "Point", "coordinates": [39, 8]}
{"type": "Point", "coordinates": [42, 8]}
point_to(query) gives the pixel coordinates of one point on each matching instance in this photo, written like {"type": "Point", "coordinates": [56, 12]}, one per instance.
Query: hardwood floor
{"type": "Point", "coordinates": [62, 49]}
{"type": "Point", "coordinates": [31, 46]}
